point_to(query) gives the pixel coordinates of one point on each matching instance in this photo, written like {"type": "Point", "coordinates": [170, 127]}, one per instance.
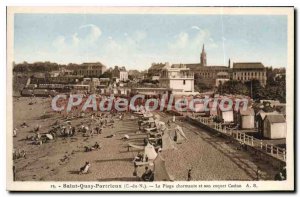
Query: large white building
{"type": "Point", "coordinates": [177, 77]}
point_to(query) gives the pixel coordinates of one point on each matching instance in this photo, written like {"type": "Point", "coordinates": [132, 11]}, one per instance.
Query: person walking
{"type": "Point", "coordinates": [189, 174]}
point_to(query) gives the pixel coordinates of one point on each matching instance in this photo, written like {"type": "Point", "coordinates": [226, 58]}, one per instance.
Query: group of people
{"type": "Point", "coordinates": [17, 154]}
{"type": "Point", "coordinates": [96, 146]}
{"type": "Point", "coordinates": [281, 175]}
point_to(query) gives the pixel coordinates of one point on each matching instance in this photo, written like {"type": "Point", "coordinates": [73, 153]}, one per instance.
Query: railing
{"type": "Point", "coordinates": [270, 149]}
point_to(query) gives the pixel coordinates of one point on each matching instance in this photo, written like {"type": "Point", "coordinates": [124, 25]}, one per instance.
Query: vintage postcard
{"type": "Point", "coordinates": [150, 99]}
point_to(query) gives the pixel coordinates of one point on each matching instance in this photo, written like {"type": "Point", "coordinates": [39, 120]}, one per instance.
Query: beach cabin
{"type": "Point", "coordinates": [226, 114]}
{"type": "Point", "coordinates": [246, 118]}
{"type": "Point", "coordinates": [274, 127]}
{"type": "Point", "coordinates": [259, 120]}
{"type": "Point", "coordinates": [212, 109]}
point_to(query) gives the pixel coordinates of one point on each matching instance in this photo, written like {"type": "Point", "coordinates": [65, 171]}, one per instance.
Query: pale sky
{"type": "Point", "coordinates": [136, 41]}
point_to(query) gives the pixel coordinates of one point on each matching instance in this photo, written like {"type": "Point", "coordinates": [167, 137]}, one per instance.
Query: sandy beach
{"type": "Point", "coordinates": [210, 157]}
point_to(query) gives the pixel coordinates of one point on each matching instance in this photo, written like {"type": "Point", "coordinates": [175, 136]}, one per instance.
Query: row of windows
{"type": "Point", "coordinates": [246, 78]}
{"type": "Point", "coordinates": [250, 73]}
{"type": "Point", "coordinates": [89, 72]}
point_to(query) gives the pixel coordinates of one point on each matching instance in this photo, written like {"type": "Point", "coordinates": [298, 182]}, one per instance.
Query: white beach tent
{"type": "Point", "coordinates": [150, 152]}
{"type": "Point", "coordinates": [167, 142]}
{"type": "Point", "coordinates": [180, 134]}
{"type": "Point", "coordinates": [160, 170]}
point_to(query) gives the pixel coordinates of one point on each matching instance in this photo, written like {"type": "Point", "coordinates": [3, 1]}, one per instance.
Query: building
{"type": "Point", "coordinates": [203, 60]}
{"type": "Point", "coordinates": [241, 71]}
{"type": "Point", "coordinates": [135, 75]}
{"type": "Point", "coordinates": [156, 69]}
{"type": "Point", "coordinates": [247, 118]}
{"type": "Point", "coordinates": [222, 77]}
{"type": "Point", "coordinates": [274, 127]}
{"type": "Point", "coordinates": [246, 71]}
{"type": "Point", "coordinates": [207, 74]}
{"type": "Point", "coordinates": [90, 69]}
{"type": "Point", "coordinates": [178, 77]}
{"type": "Point", "coordinates": [120, 73]}
{"type": "Point", "coordinates": [259, 119]}
{"type": "Point", "coordinates": [52, 74]}
{"type": "Point", "coordinates": [226, 114]}
{"type": "Point", "coordinates": [151, 92]}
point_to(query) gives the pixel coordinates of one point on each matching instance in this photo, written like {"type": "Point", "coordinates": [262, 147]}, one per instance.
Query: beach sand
{"type": "Point", "coordinates": [210, 157]}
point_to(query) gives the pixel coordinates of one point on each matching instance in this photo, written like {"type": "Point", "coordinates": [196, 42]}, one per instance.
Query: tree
{"type": "Point", "coordinates": [233, 87]}
{"type": "Point", "coordinates": [106, 74]}
{"type": "Point", "coordinates": [256, 91]}
{"type": "Point", "coordinates": [277, 89]}
{"type": "Point", "coordinates": [199, 85]}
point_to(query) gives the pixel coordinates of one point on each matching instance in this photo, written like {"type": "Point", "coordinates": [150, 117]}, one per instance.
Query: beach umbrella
{"type": "Point", "coordinates": [49, 136]}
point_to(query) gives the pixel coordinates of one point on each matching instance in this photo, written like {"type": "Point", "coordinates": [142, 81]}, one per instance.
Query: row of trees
{"type": "Point", "coordinates": [36, 67]}
{"type": "Point", "coordinates": [274, 90]}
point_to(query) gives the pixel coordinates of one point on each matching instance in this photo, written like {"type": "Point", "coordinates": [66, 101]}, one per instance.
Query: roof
{"type": "Point", "coordinates": [281, 109]}
{"type": "Point", "coordinates": [120, 68]}
{"type": "Point", "coordinates": [157, 66]}
{"type": "Point", "coordinates": [263, 114]}
{"type": "Point", "coordinates": [39, 75]}
{"type": "Point", "coordinates": [225, 108]}
{"type": "Point", "coordinates": [275, 118]}
{"type": "Point", "coordinates": [193, 66]}
{"type": "Point", "coordinates": [247, 65]}
{"type": "Point", "coordinates": [212, 67]}
{"type": "Point", "coordinates": [92, 64]}
{"type": "Point", "coordinates": [178, 66]}
{"type": "Point", "coordinates": [222, 74]}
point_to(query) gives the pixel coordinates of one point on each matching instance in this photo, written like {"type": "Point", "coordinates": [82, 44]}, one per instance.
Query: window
{"type": "Point", "coordinates": [183, 82]}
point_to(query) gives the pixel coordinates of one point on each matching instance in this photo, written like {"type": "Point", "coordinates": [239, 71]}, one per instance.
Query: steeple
{"type": "Point", "coordinates": [203, 61]}
{"type": "Point", "coordinates": [229, 63]}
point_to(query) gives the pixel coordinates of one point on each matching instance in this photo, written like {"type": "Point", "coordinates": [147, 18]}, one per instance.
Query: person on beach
{"type": "Point", "coordinates": [257, 173]}
{"type": "Point", "coordinates": [73, 131]}
{"type": "Point", "coordinates": [169, 123]}
{"type": "Point", "coordinates": [14, 172]}
{"type": "Point", "coordinates": [98, 130]}
{"type": "Point", "coordinates": [148, 175]}
{"type": "Point", "coordinates": [283, 171]}
{"type": "Point", "coordinates": [279, 177]}
{"type": "Point", "coordinates": [110, 136]}
{"type": "Point", "coordinates": [85, 168]}
{"type": "Point", "coordinates": [139, 157]}
{"type": "Point", "coordinates": [96, 146]}
{"type": "Point", "coordinates": [15, 132]}
{"type": "Point", "coordinates": [24, 124]}
{"type": "Point", "coordinates": [189, 174]}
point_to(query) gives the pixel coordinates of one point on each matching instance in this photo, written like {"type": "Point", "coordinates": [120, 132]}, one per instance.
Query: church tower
{"type": "Point", "coordinates": [203, 57]}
